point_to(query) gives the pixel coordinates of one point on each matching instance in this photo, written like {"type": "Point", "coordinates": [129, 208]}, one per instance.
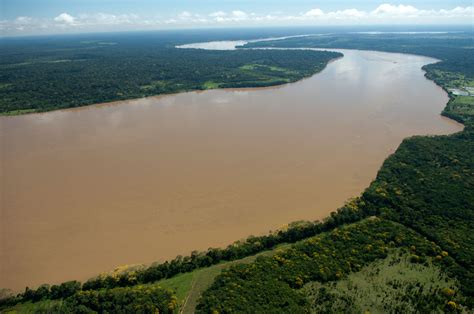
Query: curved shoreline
{"type": "Point", "coordinates": [161, 96]}
{"type": "Point", "coordinates": [164, 95]}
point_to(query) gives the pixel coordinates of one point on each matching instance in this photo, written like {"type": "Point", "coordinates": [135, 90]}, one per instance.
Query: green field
{"type": "Point", "coordinates": [393, 284]}
{"type": "Point", "coordinates": [189, 286]}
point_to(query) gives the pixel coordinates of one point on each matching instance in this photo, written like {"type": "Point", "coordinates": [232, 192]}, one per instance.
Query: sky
{"type": "Point", "coordinates": [34, 17]}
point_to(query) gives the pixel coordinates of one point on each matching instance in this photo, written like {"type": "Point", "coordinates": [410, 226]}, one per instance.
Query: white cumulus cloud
{"type": "Point", "coordinates": [218, 14]}
{"type": "Point", "coordinates": [384, 13]}
{"type": "Point", "coordinates": [65, 18]}
{"type": "Point", "coordinates": [389, 9]}
{"type": "Point", "coordinates": [314, 13]}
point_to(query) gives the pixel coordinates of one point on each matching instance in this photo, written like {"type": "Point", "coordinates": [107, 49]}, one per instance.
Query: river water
{"type": "Point", "coordinates": [138, 181]}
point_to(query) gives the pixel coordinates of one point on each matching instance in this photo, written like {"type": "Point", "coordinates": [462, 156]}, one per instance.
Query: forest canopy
{"type": "Point", "coordinates": [75, 71]}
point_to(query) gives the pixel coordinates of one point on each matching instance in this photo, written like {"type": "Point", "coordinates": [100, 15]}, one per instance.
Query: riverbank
{"type": "Point", "coordinates": [239, 177]}
{"type": "Point", "coordinates": [132, 71]}
{"type": "Point", "coordinates": [421, 169]}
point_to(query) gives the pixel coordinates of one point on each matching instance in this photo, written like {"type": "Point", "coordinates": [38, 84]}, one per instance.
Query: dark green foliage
{"type": "Point", "coordinates": [42, 293]}
{"type": "Point", "coordinates": [81, 72]}
{"type": "Point", "coordinates": [271, 283]}
{"type": "Point", "coordinates": [238, 250]}
{"type": "Point", "coordinates": [455, 49]}
{"type": "Point", "coordinates": [139, 299]}
{"type": "Point", "coordinates": [428, 185]}
{"type": "Point", "coordinates": [64, 290]}
{"type": "Point", "coordinates": [410, 299]}
{"type": "Point", "coordinates": [400, 283]}
{"type": "Point", "coordinates": [45, 292]}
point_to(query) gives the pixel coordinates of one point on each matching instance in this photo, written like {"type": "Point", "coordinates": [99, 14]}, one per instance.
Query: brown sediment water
{"type": "Point", "coordinates": [144, 180]}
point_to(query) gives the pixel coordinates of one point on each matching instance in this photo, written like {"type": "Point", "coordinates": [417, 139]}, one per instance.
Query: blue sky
{"type": "Point", "coordinates": [19, 17]}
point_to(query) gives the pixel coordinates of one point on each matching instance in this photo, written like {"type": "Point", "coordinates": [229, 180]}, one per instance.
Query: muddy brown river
{"type": "Point", "coordinates": [85, 190]}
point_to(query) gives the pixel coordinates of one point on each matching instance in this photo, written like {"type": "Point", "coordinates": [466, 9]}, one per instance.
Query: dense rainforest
{"type": "Point", "coordinates": [405, 245]}
{"type": "Point", "coordinates": [41, 75]}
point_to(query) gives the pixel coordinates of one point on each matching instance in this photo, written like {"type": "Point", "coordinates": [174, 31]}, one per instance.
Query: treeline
{"type": "Point", "coordinates": [428, 185]}
{"type": "Point", "coordinates": [238, 250]}
{"type": "Point", "coordinates": [252, 245]}
{"type": "Point", "coordinates": [137, 299]}
{"type": "Point", "coordinates": [452, 48]}
{"type": "Point", "coordinates": [456, 68]}
{"type": "Point", "coordinates": [83, 72]}
{"type": "Point", "coordinates": [271, 284]}
{"type": "Point", "coordinates": [44, 292]}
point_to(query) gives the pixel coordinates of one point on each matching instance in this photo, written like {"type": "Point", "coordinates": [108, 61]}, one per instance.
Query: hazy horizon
{"type": "Point", "coordinates": [252, 32]}
{"type": "Point", "coordinates": [27, 17]}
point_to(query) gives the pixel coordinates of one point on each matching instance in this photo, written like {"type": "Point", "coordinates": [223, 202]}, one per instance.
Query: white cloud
{"type": "Point", "coordinates": [107, 19]}
{"type": "Point", "coordinates": [232, 17]}
{"type": "Point", "coordinates": [389, 9]}
{"type": "Point", "coordinates": [218, 14]}
{"type": "Point", "coordinates": [314, 13]}
{"type": "Point", "coordinates": [239, 14]}
{"type": "Point", "coordinates": [185, 15]}
{"type": "Point", "coordinates": [23, 20]}
{"type": "Point", "coordinates": [65, 18]}
{"type": "Point", "coordinates": [385, 13]}
{"type": "Point", "coordinates": [348, 13]}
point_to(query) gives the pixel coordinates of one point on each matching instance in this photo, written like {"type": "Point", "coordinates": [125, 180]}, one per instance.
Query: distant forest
{"type": "Point", "coordinates": [64, 72]}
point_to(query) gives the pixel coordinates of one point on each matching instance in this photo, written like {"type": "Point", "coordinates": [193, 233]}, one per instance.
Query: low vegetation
{"type": "Point", "coordinates": [395, 284]}
{"type": "Point", "coordinates": [273, 284]}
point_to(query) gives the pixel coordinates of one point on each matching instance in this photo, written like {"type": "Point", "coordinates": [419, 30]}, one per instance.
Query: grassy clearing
{"type": "Point", "coordinates": [261, 67]}
{"type": "Point", "coordinates": [392, 284]}
{"type": "Point", "coordinates": [154, 85]}
{"type": "Point", "coordinates": [464, 101]}
{"type": "Point", "coordinates": [273, 284]}
{"type": "Point", "coordinates": [210, 85]}
{"type": "Point", "coordinates": [189, 286]}
{"type": "Point", "coordinates": [460, 108]}
{"type": "Point", "coordinates": [46, 306]}
{"type": "Point", "coordinates": [450, 79]}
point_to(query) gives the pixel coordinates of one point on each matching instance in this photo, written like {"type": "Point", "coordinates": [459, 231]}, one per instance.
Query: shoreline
{"type": "Point", "coordinates": [121, 102]}
{"type": "Point", "coordinates": [230, 89]}
{"type": "Point", "coordinates": [164, 95]}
